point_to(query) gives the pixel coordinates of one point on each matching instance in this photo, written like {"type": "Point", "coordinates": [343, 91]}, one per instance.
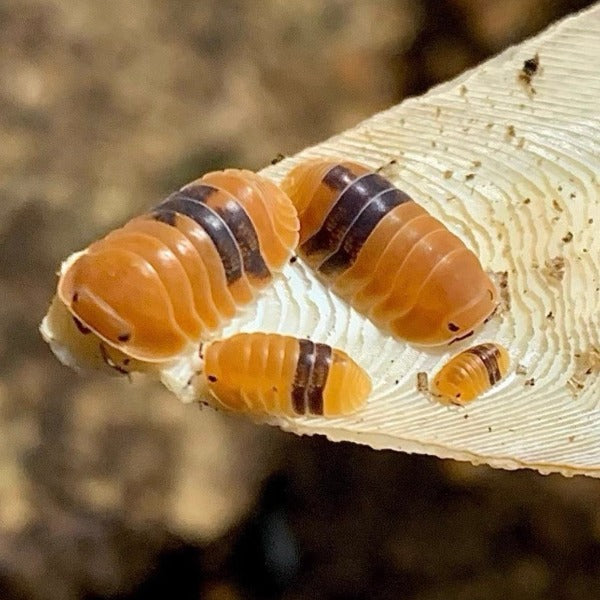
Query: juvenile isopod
{"type": "Point", "coordinates": [386, 255]}
{"type": "Point", "coordinates": [266, 373]}
{"type": "Point", "coordinates": [158, 283]}
{"type": "Point", "coordinates": [471, 373]}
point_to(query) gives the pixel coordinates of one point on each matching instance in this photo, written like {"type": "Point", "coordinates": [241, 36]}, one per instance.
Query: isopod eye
{"type": "Point", "coordinates": [80, 326]}
{"type": "Point", "coordinates": [462, 337]}
{"type": "Point", "coordinates": [471, 316]}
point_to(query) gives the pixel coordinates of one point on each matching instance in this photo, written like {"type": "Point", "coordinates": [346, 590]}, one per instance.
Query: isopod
{"type": "Point", "coordinates": [266, 373]}
{"type": "Point", "coordinates": [158, 283]}
{"type": "Point", "coordinates": [471, 373]}
{"type": "Point", "coordinates": [386, 255]}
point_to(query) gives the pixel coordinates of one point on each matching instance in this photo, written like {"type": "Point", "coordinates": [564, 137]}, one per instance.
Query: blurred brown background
{"type": "Point", "coordinates": [110, 490]}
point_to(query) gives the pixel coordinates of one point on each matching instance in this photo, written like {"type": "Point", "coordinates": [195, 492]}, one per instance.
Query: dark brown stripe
{"type": "Point", "coordinates": [346, 208]}
{"type": "Point", "coordinates": [361, 229]}
{"type": "Point", "coordinates": [314, 393]}
{"type": "Point", "coordinates": [306, 361]}
{"type": "Point", "coordinates": [339, 178]}
{"type": "Point", "coordinates": [489, 355]}
{"type": "Point", "coordinates": [215, 226]}
{"type": "Point", "coordinates": [198, 191]}
{"type": "Point", "coordinates": [165, 216]}
{"type": "Point", "coordinates": [235, 215]}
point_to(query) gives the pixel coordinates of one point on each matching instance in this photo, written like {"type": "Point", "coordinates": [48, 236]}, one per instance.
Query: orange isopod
{"type": "Point", "coordinates": [470, 373]}
{"type": "Point", "coordinates": [386, 255]}
{"type": "Point", "coordinates": [267, 373]}
{"type": "Point", "coordinates": [159, 282]}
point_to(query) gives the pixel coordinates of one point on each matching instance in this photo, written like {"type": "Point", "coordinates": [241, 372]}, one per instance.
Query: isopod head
{"type": "Point", "coordinates": [453, 305]}
{"type": "Point", "coordinates": [100, 290]}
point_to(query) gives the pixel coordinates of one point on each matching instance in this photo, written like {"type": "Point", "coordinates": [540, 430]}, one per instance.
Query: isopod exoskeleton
{"type": "Point", "coordinates": [158, 283]}
{"type": "Point", "coordinates": [386, 255]}
{"type": "Point", "coordinates": [266, 373]}
{"type": "Point", "coordinates": [471, 373]}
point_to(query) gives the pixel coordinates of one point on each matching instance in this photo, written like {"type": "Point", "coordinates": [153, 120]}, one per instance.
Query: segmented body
{"type": "Point", "coordinates": [282, 375]}
{"type": "Point", "coordinates": [386, 255]}
{"type": "Point", "coordinates": [159, 282]}
{"type": "Point", "coordinates": [471, 373]}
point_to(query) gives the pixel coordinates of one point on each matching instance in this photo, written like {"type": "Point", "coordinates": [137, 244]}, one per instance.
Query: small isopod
{"type": "Point", "coordinates": [470, 373]}
{"type": "Point", "coordinates": [266, 373]}
{"type": "Point", "coordinates": [386, 255]}
{"type": "Point", "coordinates": [158, 283]}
